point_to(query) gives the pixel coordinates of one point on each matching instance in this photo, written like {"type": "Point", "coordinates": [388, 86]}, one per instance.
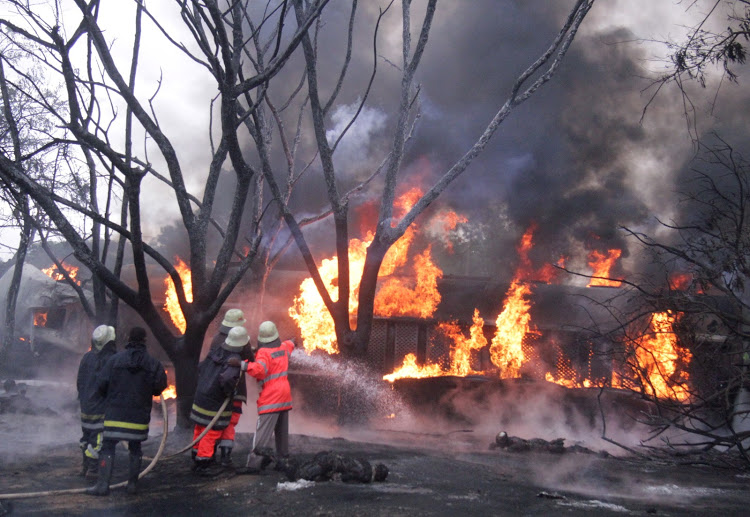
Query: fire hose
{"type": "Point", "coordinates": [145, 471]}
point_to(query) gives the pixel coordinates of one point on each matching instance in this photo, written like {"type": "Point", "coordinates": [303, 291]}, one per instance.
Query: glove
{"type": "Point", "coordinates": [243, 366]}
{"type": "Point", "coordinates": [234, 361]}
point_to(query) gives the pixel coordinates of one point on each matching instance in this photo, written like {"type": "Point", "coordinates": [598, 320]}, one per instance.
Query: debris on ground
{"type": "Point", "coordinates": [515, 444]}
{"type": "Point", "coordinates": [329, 465]}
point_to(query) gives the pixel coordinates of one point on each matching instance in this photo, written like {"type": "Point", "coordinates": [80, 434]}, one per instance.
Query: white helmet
{"type": "Point", "coordinates": [236, 339]}
{"type": "Point", "coordinates": [102, 335]}
{"type": "Point", "coordinates": [233, 318]}
{"type": "Point", "coordinates": [267, 332]}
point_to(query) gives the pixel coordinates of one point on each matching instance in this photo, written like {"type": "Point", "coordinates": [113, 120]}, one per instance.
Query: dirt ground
{"type": "Point", "coordinates": [431, 472]}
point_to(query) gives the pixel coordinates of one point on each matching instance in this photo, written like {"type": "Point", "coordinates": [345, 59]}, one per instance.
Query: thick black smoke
{"type": "Point", "coordinates": [579, 160]}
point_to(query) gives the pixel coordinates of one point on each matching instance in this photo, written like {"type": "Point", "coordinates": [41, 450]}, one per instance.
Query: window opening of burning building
{"type": "Point", "coordinates": [52, 329]}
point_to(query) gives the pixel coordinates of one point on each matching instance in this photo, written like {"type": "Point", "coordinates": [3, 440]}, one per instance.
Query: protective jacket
{"type": "Point", "coordinates": [216, 381]}
{"type": "Point", "coordinates": [128, 382]}
{"type": "Point", "coordinates": [240, 395]}
{"type": "Point", "coordinates": [92, 403]}
{"type": "Point", "coordinates": [270, 368]}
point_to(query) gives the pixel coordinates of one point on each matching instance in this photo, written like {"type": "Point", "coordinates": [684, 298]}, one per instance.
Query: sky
{"type": "Point", "coordinates": [577, 159]}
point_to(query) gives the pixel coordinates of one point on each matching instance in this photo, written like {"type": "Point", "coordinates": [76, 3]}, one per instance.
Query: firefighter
{"type": "Point", "coordinates": [128, 382]}
{"type": "Point", "coordinates": [270, 369]}
{"type": "Point", "coordinates": [217, 380]}
{"type": "Point", "coordinates": [92, 404]}
{"type": "Point", "coordinates": [232, 318]}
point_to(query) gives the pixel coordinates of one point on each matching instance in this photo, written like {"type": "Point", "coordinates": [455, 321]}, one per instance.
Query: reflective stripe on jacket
{"type": "Point", "coordinates": [270, 368]}
{"type": "Point", "coordinates": [92, 403]}
{"type": "Point", "coordinates": [240, 393]}
{"type": "Point", "coordinates": [216, 381]}
{"type": "Point", "coordinates": [128, 382]}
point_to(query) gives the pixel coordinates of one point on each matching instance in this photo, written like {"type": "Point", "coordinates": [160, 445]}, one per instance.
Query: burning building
{"type": "Point", "coordinates": [534, 327]}
{"type": "Point", "coordinates": [50, 326]}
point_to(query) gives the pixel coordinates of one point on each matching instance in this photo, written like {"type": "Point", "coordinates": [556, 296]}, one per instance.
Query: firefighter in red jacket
{"type": "Point", "coordinates": [270, 369]}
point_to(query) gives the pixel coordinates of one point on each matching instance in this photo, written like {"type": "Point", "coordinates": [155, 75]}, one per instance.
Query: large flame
{"type": "Point", "coordinates": [460, 354]}
{"type": "Point", "coordinates": [660, 361]}
{"type": "Point", "coordinates": [513, 323]}
{"type": "Point", "coordinates": [602, 264]}
{"type": "Point", "coordinates": [395, 297]}
{"type": "Point", "coordinates": [56, 274]}
{"type": "Point", "coordinates": [171, 304]}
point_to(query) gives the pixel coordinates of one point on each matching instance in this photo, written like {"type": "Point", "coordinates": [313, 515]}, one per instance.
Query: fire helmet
{"type": "Point", "coordinates": [236, 339]}
{"type": "Point", "coordinates": [233, 318]}
{"type": "Point", "coordinates": [267, 332]}
{"type": "Point", "coordinates": [102, 335]}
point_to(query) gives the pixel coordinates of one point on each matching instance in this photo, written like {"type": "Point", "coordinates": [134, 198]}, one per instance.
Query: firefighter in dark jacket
{"type": "Point", "coordinates": [92, 404]}
{"type": "Point", "coordinates": [270, 369]}
{"type": "Point", "coordinates": [128, 382]}
{"type": "Point", "coordinates": [217, 381]}
{"type": "Point", "coordinates": [233, 318]}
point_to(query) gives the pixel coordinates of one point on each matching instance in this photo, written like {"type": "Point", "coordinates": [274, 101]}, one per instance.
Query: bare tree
{"type": "Point", "coordinates": [703, 51]}
{"type": "Point", "coordinates": [353, 340]}
{"type": "Point", "coordinates": [702, 285]}
{"type": "Point", "coordinates": [99, 86]}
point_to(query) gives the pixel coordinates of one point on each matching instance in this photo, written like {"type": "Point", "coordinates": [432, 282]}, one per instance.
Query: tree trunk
{"type": "Point", "coordinates": [186, 380]}
{"type": "Point", "coordinates": [15, 284]}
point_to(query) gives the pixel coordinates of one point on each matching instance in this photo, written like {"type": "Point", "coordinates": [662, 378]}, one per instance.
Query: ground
{"type": "Point", "coordinates": [431, 472]}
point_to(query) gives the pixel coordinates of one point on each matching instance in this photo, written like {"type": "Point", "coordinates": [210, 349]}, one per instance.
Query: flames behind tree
{"type": "Point", "coordinates": [56, 274]}
{"type": "Point", "coordinates": [602, 264]}
{"type": "Point", "coordinates": [171, 303]}
{"type": "Point", "coordinates": [396, 296]}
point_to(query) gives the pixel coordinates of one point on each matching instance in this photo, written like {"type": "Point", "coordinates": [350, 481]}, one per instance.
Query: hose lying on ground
{"type": "Point", "coordinates": [81, 490]}
{"type": "Point", "coordinates": [145, 471]}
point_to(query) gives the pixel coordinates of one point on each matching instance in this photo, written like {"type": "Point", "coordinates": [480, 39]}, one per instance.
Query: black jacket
{"type": "Point", "coordinates": [92, 403]}
{"type": "Point", "coordinates": [241, 392]}
{"type": "Point", "coordinates": [128, 382]}
{"type": "Point", "coordinates": [216, 381]}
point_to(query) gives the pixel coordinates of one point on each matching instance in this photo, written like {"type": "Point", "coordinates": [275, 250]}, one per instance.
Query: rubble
{"type": "Point", "coordinates": [324, 466]}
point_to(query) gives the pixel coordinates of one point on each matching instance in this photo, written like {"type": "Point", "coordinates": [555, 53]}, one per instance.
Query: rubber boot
{"type": "Point", "coordinates": [84, 464]}
{"type": "Point", "coordinates": [226, 456]}
{"type": "Point", "coordinates": [106, 464]}
{"type": "Point", "coordinates": [205, 467]}
{"type": "Point", "coordinates": [134, 470]}
{"type": "Point", "coordinates": [93, 469]}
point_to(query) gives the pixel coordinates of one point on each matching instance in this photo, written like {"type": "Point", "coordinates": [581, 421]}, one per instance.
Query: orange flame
{"type": "Point", "coordinates": [56, 274]}
{"type": "Point", "coordinates": [460, 355]}
{"type": "Point", "coordinates": [395, 296]}
{"type": "Point", "coordinates": [171, 304]}
{"type": "Point", "coordinates": [683, 282]}
{"type": "Point", "coordinates": [601, 265]}
{"type": "Point", "coordinates": [412, 370]}
{"type": "Point", "coordinates": [170, 392]}
{"type": "Point", "coordinates": [512, 324]}
{"type": "Point", "coordinates": [40, 319]}
{"type": "Point", "coordinates": [660, 361]}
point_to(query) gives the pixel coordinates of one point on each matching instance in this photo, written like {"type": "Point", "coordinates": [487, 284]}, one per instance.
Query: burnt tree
{"type": "Point", "coordinates": [352, 339]}
{"type": "Point", "coordinates": [703, 283]}
{"type": "Point", "coordinates": [234, 47]}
